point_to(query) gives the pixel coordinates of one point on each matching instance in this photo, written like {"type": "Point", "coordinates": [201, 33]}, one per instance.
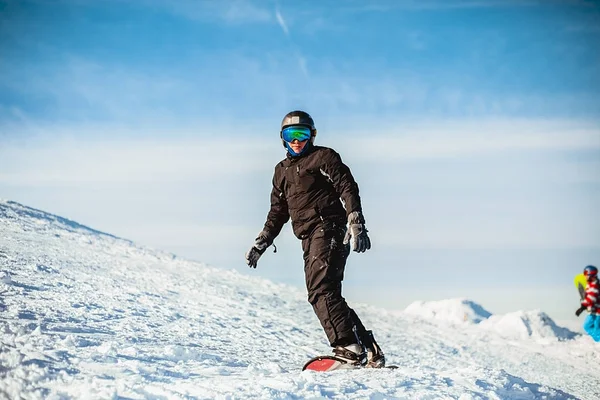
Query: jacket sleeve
{"type": "Point", "coordinates": [591, 295]}
{"type": "Point", "coordinates": [343, 182]}
{"type": "Point", "coordinates": [278, 214]}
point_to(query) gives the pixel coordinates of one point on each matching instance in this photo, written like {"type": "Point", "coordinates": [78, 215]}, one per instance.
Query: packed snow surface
{"type": "Point", "coordinates": [86, 315]}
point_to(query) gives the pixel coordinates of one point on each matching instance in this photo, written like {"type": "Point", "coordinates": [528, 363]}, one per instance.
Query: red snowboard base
{"type": "Point", "coordinates": [325, 363]}
{"type": "Point", "coordinates": [331, 363]}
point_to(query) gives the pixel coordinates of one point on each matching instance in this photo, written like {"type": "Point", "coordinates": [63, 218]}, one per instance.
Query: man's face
{"type": "Point", "coordinates": [297, 145]}
{"type": "Point", "coordinates": [296, 136]}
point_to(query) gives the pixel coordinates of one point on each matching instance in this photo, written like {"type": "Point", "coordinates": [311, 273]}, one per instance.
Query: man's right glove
{"type": "Point", "coordinates": [580, 310]}
{"type": "Point", "coordinates": [357, 232]}
{"type": "Point", "coordinates": [260, 245]}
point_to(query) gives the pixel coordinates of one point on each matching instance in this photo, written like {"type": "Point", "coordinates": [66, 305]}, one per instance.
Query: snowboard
{"type": "Point", "coordinates": [332, 363]}
{"type": "Point", "coordinates": [580, 284]}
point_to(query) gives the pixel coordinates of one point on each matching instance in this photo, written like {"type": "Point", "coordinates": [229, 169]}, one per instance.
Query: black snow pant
{"type": "Point", "coordinates": [324, 263]}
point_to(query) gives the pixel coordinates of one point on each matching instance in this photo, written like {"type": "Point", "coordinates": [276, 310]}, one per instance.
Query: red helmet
{"type": "Point", "coordinates": [590, 272]}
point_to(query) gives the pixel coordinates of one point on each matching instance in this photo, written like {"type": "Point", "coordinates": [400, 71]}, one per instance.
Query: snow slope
{"type": "Point", "coordinates": [86, 315]}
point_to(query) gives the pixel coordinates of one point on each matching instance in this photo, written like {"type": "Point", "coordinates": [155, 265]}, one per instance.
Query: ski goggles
{"type": "Point", "coordinates": [299, 132]}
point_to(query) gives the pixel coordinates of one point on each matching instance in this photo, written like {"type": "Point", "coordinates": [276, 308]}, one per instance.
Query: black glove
{"type": "Point", "coordinates": [580, 310]}
{"type": "Point", "coordinates": [260, 245]}
{"type": "Point", "coordinates": [357, 232]}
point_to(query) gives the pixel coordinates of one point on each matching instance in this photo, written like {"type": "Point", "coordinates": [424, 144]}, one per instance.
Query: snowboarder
{"type": "Point", "coordinates": [591, 302]}
{"type": "Point", "coordinates": [309, 186]}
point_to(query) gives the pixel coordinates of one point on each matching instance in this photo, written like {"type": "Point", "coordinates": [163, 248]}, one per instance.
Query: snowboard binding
{"type": "Point", "coordinates": [365, 354]}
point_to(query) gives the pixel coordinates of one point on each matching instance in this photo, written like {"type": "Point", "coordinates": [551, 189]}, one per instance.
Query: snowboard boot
{"type": "Point", "coordinates": [375, 357]}
{"type": "Point", "coordinates": [353, 354]}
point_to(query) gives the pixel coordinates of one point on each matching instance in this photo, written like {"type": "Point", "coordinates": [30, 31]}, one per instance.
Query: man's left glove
{"type": "Point", "coordinates": [357, 232]}
{"type": "Point", "coordinates": [260, 245]}
{"type": "Point", "coordinates": [580, 310]}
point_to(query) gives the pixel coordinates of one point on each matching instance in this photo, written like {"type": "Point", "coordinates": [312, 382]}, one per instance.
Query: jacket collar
{"type": "Point", "coordinates": [292, 158]}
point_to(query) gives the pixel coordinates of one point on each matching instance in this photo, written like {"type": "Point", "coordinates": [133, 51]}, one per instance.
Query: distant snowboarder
{"type": "Point", "coordinates": [591, 302]}
{"type": "Point", "coordinates": [307, 187]}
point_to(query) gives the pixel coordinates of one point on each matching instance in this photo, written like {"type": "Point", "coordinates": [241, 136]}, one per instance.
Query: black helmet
{"type": "Point", "coordinates": [298, 118]}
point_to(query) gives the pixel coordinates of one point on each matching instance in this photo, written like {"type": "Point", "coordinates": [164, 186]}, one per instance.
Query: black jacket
{"type": "Point", "coordinates": [310, 189]}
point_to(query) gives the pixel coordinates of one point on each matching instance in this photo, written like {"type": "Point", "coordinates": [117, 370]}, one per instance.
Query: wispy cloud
{"type": "Point", "coordinates": [303, 66]}
{"type": "Point", "coordinates": [232, 11]}
{"type": "Point", "coordinates": [302, 63]}
{"type": "Point", "coordinates": [386, 6]}
{"type": "Point", "coordinates": [70, 160]}
{"type": "Point", "coordinates": [282, 22]}
{"type": "Point", "coordinates": [442, 177]}
{"type": "Point", "coordinates": [457, 139]}
{"type": "Point", "coordinates": [204, 157]}
{"type": "Point", "coordinates": [80, 88]}
{"type": "Point", "coordinates": [219, 80]}
{"type": "Point", "coordinates": [245, 11]}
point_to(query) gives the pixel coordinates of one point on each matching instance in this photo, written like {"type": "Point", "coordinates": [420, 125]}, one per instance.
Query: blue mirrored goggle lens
{"type": "Point", "coordinates": [301, 133]}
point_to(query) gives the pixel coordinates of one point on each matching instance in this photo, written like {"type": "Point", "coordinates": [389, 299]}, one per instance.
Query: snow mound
{"type": "Point", "coordinates": [523, 324]}
{"type": "Point", "coordinates": [450, 310]}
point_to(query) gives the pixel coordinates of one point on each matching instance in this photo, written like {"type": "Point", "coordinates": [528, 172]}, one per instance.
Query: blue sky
{"type": "Point", "coordinates": [472, 127]}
